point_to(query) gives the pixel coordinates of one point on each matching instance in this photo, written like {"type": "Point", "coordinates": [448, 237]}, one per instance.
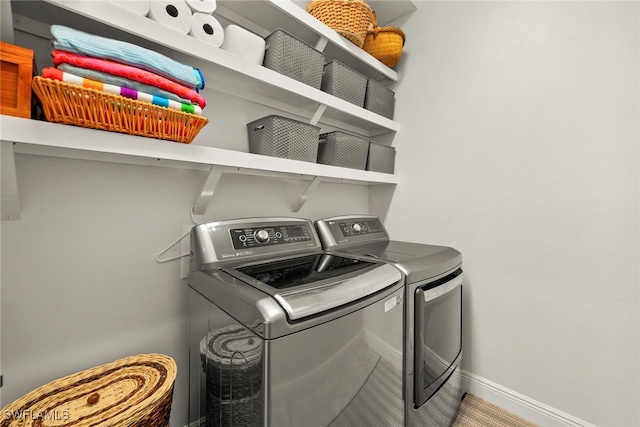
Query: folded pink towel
{"type": "Point", "coordinates": [133, 73]}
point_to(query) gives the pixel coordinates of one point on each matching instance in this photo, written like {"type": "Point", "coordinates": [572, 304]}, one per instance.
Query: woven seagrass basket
{"type": "Point", "coordinates": [350, 18]}
{"type": "Point", "coordinates": [75, 105]}
{"type": "Point", "coordinates": [384, 43]}
{"type": "Point", "coordinates": [136, 391]}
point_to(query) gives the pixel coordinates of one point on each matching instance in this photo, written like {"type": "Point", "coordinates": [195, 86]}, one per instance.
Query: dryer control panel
{"type": "Point", "coordinates": [359, 227]}
{"type": "Point", "coordinates": [349, 230]}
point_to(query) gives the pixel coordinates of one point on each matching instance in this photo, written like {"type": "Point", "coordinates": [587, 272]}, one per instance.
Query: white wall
{"type": "Point", "coordinates": [519, 147]}
{"type": "Point", "coordinates": [80, 285]}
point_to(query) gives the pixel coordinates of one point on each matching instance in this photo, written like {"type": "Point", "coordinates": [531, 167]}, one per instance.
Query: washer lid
{"type": "Point", "coordinates": [312, 284]}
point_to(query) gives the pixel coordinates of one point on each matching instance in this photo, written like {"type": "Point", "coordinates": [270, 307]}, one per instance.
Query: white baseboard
{"type": "Point", "coordinates": [527, 408]}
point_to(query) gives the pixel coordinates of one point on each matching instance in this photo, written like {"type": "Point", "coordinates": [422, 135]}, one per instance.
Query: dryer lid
{"type": "Point", "coordinates": [380, 252]}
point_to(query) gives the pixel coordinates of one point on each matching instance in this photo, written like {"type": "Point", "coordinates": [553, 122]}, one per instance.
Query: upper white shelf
{"type": "Point", "coordinates": [223, 71]}
{"type": "Point", "coordinates": [267, 15]}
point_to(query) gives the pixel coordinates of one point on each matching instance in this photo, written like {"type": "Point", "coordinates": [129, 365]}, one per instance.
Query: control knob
{"type": "Point", "coordinates": [261, 236]}
{"type": "Point", "coordinates": [357, 228]}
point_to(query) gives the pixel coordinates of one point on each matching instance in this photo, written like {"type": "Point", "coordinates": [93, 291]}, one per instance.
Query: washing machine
{"type": "Point", "coordinates": [284, 334]}
{"type": "Point", "coordinates": [432, 277]}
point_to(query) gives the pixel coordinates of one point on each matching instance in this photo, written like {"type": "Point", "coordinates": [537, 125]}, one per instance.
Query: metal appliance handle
{"type": "Point", "coordinates": [431, 294]}
{"type": "Point", "coordinates": [306, 302]}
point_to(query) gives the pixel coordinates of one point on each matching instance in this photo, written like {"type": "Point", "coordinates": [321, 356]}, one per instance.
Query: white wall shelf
{"type": "Point", "coordinates": [50, 139]}
{"type": "Point", "coordinates": [263, 17]}
{"type": "Point", "coordinates": [224, 72]}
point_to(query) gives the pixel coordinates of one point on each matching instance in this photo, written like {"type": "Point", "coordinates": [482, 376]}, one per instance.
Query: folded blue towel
{"type": "Point", "coordinates": [112, 79]}
{"type": "Point", "coordinates": [71, 40]}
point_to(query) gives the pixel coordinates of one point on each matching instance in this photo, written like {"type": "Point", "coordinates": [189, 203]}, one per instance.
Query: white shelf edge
{"type": "Point", "coordinates": [311, 95]}
{"type": "Point", "coordinates": [103, 145]}
{"type": "Point", "coordinates": [208, 56]}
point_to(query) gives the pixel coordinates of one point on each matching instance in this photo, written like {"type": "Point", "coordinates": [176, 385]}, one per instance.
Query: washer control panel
{"type": "Point", "coordinates": [220, 243]}
{"type": "Point", "coordinates": [251, 237]}
{"type": "Point", "coordinates": [360, 227]}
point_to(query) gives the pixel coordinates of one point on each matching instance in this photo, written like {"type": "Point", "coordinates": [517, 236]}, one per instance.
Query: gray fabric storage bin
{"type": "Point", "coordinates": [279, 136]}
{"type": "Point", "coordinates": [294, 58]}
{"type": "Point", "coordinates": [379, 99]}
{"type": "Point", "coordinates": [343, 149]}
{"type": "Point", "coordinates": [381, 158]}
{"type": "Point", "coordinates": [344, 82]}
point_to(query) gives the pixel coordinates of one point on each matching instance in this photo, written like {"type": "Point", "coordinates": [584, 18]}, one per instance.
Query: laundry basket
{"type": "Point", "coordinates": [136, 391]}
{"type": "Point", "coordinates": [381, 158]}
{"type": "Point", "coordinates": [279, 136]}
{"type": "Point", "coordinates": [343, 149]}
{"type": "Point", "coordinates": [379, 99]}
{"type": "Point", "coordinates": [344, 82]}
{"type": "Point", "coordinates": [232, 360]}
{"type": "Point", "coordinates": [288, 55]}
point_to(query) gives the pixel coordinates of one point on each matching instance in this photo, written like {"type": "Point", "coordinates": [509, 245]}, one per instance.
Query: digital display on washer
{"type": "Point", "coordinates": [298, 271]}
{"type": "Point", "coordinates": [243, 238]}
{"type": "Point", "coordinates": [357, 228]}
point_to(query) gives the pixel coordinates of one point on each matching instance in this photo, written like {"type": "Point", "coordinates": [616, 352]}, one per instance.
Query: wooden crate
{"type": "Point", "coordinates": [18, 67]}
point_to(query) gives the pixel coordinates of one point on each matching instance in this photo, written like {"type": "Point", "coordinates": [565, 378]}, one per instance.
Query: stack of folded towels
{"type": "Point", "coordinates": [124, 69]}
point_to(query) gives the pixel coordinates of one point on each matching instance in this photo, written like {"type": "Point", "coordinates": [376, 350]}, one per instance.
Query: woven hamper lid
{"type": "Point", "coordinates": [232, 345]}
{"type": "Point", "coordinates": [120, 393]}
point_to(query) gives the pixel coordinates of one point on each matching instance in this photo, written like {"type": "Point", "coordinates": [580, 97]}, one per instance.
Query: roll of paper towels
{"type": "Point", "coordinates": [139, 7]}
{"type": "Point", "coordinates": [172, 13]}
{"type": "Point", "coordinates": [204, 6]}
{"type": "Point", "coordinates": [206, 28]}
{"type": "Point", "coordinates": [243, 43]}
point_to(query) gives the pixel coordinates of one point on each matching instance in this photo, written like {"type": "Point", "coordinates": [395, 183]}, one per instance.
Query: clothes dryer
{"type": "Point", "coordinates": [433, 312]}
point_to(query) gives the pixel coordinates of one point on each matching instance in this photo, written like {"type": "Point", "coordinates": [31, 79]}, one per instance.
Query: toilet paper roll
{"type": "Point", "coordinates": [175, 14]}
{"type": "Point", "coordinates": [139, 7]}
{"type": "Point", "coordinates": [204, 6]}
{"type": "Point", "coordinates": [206, 28]}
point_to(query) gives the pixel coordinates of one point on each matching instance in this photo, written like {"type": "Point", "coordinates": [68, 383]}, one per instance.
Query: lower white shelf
{"type": "Point", "coordinates": [50, 139]}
